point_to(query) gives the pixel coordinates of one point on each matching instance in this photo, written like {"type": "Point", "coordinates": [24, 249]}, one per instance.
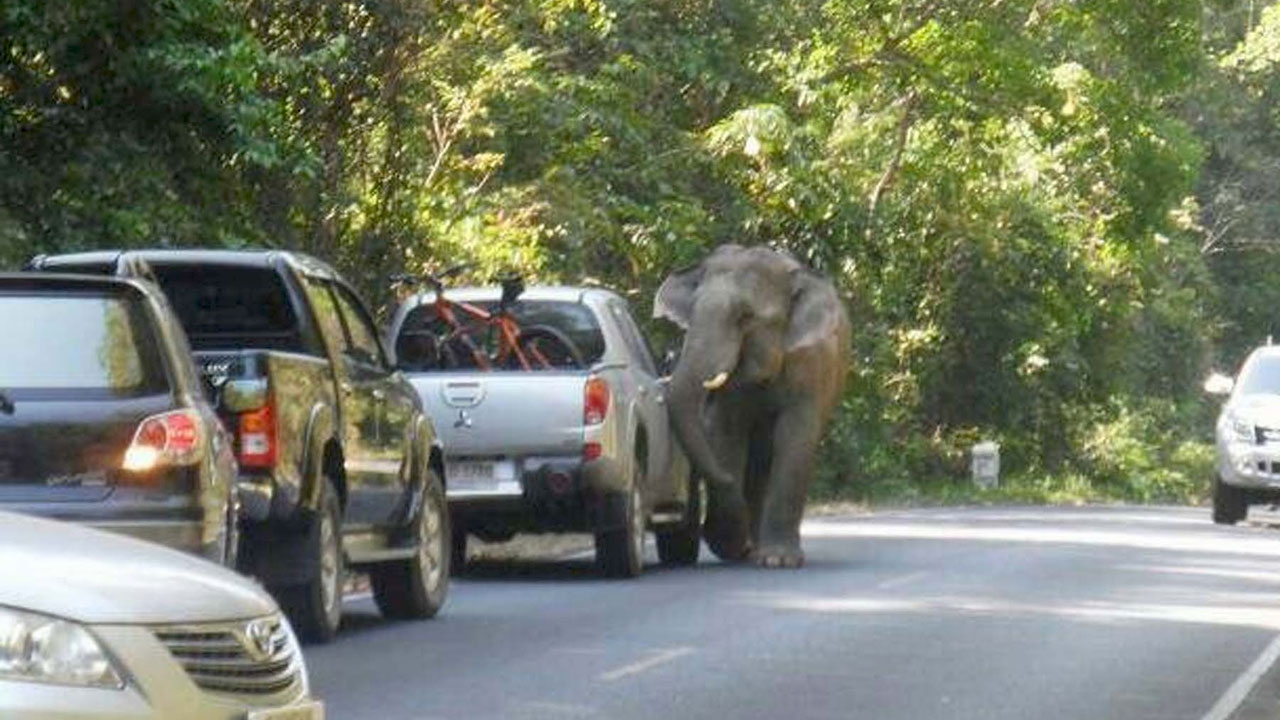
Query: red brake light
{"type": "Point", "coordinates": [258, 438]}
{"type": "Point", "coordinates": [172, 438]}
{"type": "Point", "coordinates": [595, 401]}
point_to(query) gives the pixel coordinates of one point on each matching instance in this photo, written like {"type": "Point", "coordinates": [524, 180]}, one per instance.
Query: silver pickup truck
{"type": "Point", "coordinates": [583, 450]}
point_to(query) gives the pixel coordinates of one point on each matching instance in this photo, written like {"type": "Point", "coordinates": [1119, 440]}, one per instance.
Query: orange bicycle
{"type": "Point", "coordinates": [451, 343]}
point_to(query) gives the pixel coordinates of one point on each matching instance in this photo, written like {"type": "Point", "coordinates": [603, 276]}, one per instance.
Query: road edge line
{"type": "Point", "coordinates": [1235, 695]}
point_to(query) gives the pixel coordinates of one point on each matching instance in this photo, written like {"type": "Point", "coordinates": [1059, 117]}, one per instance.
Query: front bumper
{"type": "Point", "coordinates": [1250, 465]}
{"type": "Point", "coordinates": [157, 688]}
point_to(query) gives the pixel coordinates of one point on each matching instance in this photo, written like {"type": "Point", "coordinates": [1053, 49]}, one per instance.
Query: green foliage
{"type": "Point", "coordinates": [1048, 218]}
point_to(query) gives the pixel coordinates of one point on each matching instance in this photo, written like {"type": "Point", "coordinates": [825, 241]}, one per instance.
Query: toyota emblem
{"type": "Point", "coordinates": [258, 639]}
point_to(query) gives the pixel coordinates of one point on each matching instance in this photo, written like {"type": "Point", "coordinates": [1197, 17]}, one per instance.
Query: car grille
{"type": "Point", "coordinates": [256, 658]}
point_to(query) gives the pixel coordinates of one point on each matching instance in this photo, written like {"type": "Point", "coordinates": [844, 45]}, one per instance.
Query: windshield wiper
{"type": "Point", "coordinates": [6, 405]}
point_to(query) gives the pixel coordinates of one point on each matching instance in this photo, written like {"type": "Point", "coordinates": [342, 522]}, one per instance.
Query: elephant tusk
{"type": "Point", "coordinates": [716, 382]}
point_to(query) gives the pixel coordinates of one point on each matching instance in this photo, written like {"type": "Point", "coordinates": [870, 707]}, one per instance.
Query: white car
{"type": "Point", "coordinates": [1248, 438]}
{"type": "Point", "coordinates": [104, 627]}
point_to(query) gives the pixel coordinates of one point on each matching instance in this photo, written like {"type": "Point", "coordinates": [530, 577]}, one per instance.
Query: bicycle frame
{"type": "Point", "coordinates": [508, 331]}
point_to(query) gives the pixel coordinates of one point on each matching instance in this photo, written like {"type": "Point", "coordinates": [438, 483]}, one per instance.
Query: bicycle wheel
{"type": "Point", "coordinates": [546, 348]}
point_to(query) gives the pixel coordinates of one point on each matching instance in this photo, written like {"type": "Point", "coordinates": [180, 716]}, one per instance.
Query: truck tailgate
{"type": "Point", "coordinates": [514, 414]}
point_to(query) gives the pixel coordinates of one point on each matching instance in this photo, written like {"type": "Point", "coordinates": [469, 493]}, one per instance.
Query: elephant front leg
{"type": "Point", "coordinates": [795, 442]}
{"type": "Point", "coordinates": [728, 524]}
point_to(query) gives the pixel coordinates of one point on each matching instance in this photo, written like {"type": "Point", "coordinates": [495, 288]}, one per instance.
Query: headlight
{"type": "Point", "coordinates": [39, 648]}
{"type": "Point", "coordinates": [1243, 431]}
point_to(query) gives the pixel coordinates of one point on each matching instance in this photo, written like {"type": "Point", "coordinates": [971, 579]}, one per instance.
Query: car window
{"type": "Point", "coordinates": [87, 345]}
{"type": "Point", "coordinates": [325, 308]}
{"type": "Point", "coordinates": [576, 321]}
{"type": "Point", "coordinates": [637, 347]}
{"type": "Point", "coordinates": [1261, 376]}
{"type": "Point", "coordinates": [227, 308]}
{"type": "Point", "coordinates": [362, 338]}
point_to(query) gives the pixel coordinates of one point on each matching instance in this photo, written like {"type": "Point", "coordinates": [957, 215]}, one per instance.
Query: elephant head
{"type": "Point", "coordinates": [745, 312]}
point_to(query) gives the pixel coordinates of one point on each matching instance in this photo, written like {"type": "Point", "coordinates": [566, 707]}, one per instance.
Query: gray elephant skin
{"type": "Point", "coordinates": [765, 351]}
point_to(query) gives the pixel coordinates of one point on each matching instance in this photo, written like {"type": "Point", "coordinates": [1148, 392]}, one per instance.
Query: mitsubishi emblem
{"type": "Point", "coordinates": [463, 421]}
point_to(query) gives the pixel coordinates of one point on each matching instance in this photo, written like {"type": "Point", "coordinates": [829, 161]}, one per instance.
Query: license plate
{"type": "Point", "coordinates": [479, 475]}
{"type": "Point", "coordinates": [306, 711]}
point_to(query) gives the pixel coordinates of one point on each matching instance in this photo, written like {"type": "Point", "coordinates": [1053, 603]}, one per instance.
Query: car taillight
{"type": "Point", "coordinates": [258, 438]}
{"type": "Point", "coordinates": [595, 404]}
{"type": "Point", "coordinates": [172, 438]}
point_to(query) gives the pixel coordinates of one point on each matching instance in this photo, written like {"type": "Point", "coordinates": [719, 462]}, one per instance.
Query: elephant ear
{"type": "Point", "coordinates": [675, 298]}
{"type": "Point", "coordinates": [815, 311]}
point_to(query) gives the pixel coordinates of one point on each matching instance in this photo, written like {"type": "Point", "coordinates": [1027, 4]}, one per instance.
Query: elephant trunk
{"type": "Point", "coordinates": [698, 374]}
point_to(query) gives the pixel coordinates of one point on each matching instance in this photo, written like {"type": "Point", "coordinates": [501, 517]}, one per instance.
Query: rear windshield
{"type": "Point", "coordinates": [231, 308]}
{"type": "Point", "coordinates": [575, 320]}
{"type": "Point", "coordinates": [1261, 376]}
{"type": "Point", "coordinates": [78, 346]}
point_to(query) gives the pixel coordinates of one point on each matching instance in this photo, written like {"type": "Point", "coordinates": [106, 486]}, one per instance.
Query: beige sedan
{"type": "Point", "coordinates": [95, 625]}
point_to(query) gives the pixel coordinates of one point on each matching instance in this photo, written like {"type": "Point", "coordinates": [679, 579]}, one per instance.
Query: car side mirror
{"type": "Point", "coordinates": [1219, 384]}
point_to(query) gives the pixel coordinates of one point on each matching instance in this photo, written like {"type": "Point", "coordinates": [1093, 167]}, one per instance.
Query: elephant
{"type": "Point", "coordinates": [759, 375]}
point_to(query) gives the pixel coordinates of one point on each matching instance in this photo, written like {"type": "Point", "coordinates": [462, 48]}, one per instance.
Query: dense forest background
{"type": "Point", "coordinates": [1051, 218]}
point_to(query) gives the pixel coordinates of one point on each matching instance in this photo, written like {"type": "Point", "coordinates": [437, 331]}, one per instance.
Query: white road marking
{"type": "Point", "coordinates": [636, 668]}
{"type": "Point", "coordinates": [902, 580]}
{"type": "Point", "coordinates": [1239, 690]}
{"type": "Point", "coordinates": [353, 597]}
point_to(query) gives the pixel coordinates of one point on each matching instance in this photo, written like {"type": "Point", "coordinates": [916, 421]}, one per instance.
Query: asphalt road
{"type": "Point", "coordinates": [960, 613]}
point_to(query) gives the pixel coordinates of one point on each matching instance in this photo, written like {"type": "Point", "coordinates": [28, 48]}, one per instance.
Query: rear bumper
{"type": "Point", "coordinates": [178, 526]}
{"type": "Point", "coordinates": [557, 494]}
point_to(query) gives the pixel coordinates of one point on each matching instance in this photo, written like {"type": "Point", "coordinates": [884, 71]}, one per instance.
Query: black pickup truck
{"type": "Point", "coordinates": [339, 464]}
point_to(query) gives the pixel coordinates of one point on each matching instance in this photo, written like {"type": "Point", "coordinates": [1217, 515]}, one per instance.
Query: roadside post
{"type": "Point", "coordinates": [985, 464]}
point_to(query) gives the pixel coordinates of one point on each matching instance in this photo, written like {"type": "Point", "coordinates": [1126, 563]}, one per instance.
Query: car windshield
{"type": "Point", "coordinates": [1261, 376]}
{"type": "Point", "coordinates": [83, 345]}
{"type": "Point", "coordinates": [574, 320]}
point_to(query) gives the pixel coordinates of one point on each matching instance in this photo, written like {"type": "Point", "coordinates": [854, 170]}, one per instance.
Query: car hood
{"type": "Point", "coordinates": [89, 576]}
{"type": "Point", "coordinates": [1263, 410]}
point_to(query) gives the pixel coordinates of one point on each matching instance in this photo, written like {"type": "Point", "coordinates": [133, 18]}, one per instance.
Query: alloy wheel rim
{"type": "Point", "coordinates": [431, 546]}
{"type": "Point", "coordinates": [328, 565]}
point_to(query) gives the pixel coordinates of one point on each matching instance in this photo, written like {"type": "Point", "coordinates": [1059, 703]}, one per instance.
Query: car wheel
{"type": "Point", "coordinates": [315, 607]}
{"type": "Point", "coordinates": [415, 588]}
{"type": "Point", "coordinates": [1230, 505]}
{"type": "Point", "coordinates": [620, 551]}
{"type": "Point", "coordinates": [680, 545]}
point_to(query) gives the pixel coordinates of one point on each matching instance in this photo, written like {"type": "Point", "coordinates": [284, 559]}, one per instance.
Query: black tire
{"type": "Point", "coordinates": [554, 346]}
{"type": "Point", "coordinates": [1230, 504]}
{"type": "Point", "coordinates": [416, 588]}
{"type": "Point", "coordinates": [620, 550]}
{"type": "Point", "coordinates": [681, 544]}
{"type": "Point", "coordinates": [314, 608]}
